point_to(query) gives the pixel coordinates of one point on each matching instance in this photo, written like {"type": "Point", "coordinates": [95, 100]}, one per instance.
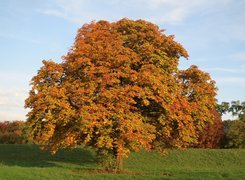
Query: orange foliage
{"type": "Point", "coordinates": [212, 134]}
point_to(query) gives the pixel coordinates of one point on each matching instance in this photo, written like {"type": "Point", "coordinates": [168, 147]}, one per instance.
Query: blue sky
{"type": "Point", "coordinates": [212, 31]}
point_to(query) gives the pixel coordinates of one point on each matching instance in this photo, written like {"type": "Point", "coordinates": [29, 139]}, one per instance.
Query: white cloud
{"type": "Point", "coordinates": [19, 38]}
{"type": "Point", "coordinates": [228, 116]}
{"type": "Point", "coordinates": [12, 103]}
{"type": "Point", "coordinates": [241, 69]}
{"type": "Point", "coordinates": [168, 11]}
{"type": "Point", "coordinates": [73, 10]}
{"type": "Point", "coordinates": [175, 11]}
{"type": "Point", "coordinates": [231, 80]}
{"type": "Point", "coordinates": [53, 12]}
{"type": "Point", "coordinates": [239, 56]}
{"type": "Point", "coordinates": [12, 97]}
{"type": "Point", "coordinates": [175, 16]}
{"type": "Point", "coordinates": [13, 92]}
{"type": "Point", "coordinates": [238, 31]}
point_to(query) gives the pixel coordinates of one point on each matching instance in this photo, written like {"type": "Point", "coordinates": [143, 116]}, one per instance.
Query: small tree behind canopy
{"type": "Point", "coordinates": [118, 90]}
{"type": "Point", "coordinates": [200, 91]}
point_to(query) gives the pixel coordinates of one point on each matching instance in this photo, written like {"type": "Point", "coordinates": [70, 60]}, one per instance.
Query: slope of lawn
{"type": "Point", "coordinates": [28, 162]}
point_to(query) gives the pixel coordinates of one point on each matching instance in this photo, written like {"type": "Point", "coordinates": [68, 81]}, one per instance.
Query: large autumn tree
{"type": "Point", "coordinates": [118, 90]}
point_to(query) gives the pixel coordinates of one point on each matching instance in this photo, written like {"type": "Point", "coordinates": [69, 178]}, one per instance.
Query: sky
{"type": "Point", "coordinates": [212, 31]}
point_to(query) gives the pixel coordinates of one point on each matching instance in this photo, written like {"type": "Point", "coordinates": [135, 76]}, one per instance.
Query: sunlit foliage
{"type": "Point", "coordinates": [118, 90]}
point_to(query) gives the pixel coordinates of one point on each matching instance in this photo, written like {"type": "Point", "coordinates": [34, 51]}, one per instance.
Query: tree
{"type": "Point", "coordinates": [200, 91]}
{"type": "Point", "coordinates": [116, 91]}
{"type": "Point", "coordinates": [236, 108]}
{"type": "Point", "coordinates": [234, 134]}
{"type": "Point", "coordinates": [223, 108]}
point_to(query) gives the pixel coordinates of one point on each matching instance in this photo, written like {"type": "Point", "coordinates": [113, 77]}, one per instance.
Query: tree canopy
{"type": "Point", "coordinates": [118, 90]}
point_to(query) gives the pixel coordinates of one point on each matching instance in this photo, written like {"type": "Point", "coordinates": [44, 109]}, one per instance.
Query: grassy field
{"type": "Point", "coordinates": [28, 162]}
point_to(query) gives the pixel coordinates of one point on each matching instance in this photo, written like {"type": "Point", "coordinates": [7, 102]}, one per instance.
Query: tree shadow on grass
{"type": "Point", "coordinates": [31, 156]}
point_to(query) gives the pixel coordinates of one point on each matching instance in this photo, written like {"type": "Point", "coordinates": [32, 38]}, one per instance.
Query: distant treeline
{"type": "Point", "coordinates": [219, 134]}
{"type": "Point", "coordinates": [12, 132]}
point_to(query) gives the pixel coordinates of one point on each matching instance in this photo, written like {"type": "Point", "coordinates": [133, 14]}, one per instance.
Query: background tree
{"type": "Point", "coordinates": [238, 109]}
{"type": "Point", "coordinates": [234, 134]}
{"type": "Point", "coordinates": [223, 108]}
{"type": "Point", "coordinates": [200, 91]}
{"type": "Point", "coordinates": [117, 91]}
{"type": "Point", "coordinates": [234, 130]}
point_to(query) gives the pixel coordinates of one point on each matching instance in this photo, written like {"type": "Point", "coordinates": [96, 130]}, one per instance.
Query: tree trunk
{"type": "Point", "coordinates": [119, 163]}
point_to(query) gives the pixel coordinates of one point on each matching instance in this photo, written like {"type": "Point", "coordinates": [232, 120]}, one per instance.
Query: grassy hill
{"type": "Point", "coordinates": [28, 162]}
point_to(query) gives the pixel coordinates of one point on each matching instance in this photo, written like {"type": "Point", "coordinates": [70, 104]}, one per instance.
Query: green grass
{"type": "Point", "coordinates": [28, 162]}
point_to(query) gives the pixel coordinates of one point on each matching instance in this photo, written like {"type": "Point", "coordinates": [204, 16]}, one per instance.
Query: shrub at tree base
{"type": "Point", "coordinates": [118, 90]}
